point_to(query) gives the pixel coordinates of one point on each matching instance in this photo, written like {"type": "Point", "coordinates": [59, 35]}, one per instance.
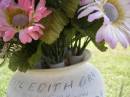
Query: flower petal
{"type": "Point", "coordinates": [3, 20]}
{"type": "Point", "coordinates": [25, 4]}
{"type": "Point", "coordinates": [94, 16]}
{"type": "Point", "coordinates": [122, 38]}
{"type": "Point", "coordinates": [8, 35]}
{"type": "Point", "coordinates": [33, 29]}
{"type": "Point", "coordinates": [39, 25]}
{"type": "Point", "coordinates": [1, 34]}
{"type": "Point", "coordinates": [106, 33]}
{"type": "Point", "coordinates": [35, 32]}
{"type": "Point", "coordinates": [106, 20]}
{"type": "Point", "coordinates": [24, 37]}
{"type": "Point", "coordinates": [5, 3]}
{"type": "Point", "coordinates": [34, 35]}
{"type": "Point", "coordinates": [87, 11]}
{"type": "Point", "coordinates": [99, 35]}
{"type": "Point", "coordinates": [85, 2]}
{"type": "Point", "coordinates": [41, 3]}
{"type": "Point", "coordinates": [110, 37]}
{"type": "Point", "coordinates": [41, 11]}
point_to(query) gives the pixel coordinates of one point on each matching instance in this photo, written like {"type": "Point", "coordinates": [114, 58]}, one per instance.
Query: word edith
{"type": "Point", "coordinates": [57, 86]}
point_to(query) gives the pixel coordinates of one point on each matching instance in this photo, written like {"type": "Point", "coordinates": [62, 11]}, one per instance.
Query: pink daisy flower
{"type": "Point", "coordinates": [23, 18]}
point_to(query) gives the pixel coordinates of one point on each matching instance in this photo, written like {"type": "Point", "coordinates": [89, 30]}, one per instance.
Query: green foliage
{"type": "Point", "coordinates": [70, 7]}
{"type": "Point", "coordinates": [114, 71]}
{"type": "Point", "coordinates": [3, 53]}
{"type": "Point", "coordinates": [1, 44]}
{"type": "Point", "coordinates": [49, 54]}
{"type": "Point", "coordinates": [68, 33]}
{"type": "Point", "coordinates": [19, 59]}
{"type": "Point", "coordinates": [54, 4]}
{"type": "Point", "coordinates": [62, 31]}
{"type": "Point", "coordinates": [54, 25]}
{"type": "Point", "coordinates": [35, 58]}
{"type": "Point", "coordinates": [90, 30]}
{"type": "Point", "coordinates": [53, 54]}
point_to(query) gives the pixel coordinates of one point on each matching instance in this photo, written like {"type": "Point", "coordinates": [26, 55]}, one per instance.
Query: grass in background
{"type": "Point", "coordinates": [113, 64]}
{"type": "Point", "coordinates": [5, 75]}
{"type": "Point", "coordinates": [115, 68]}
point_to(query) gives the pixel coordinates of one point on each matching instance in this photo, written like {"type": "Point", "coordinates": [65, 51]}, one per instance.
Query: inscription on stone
{"type": "Point", "coordinates": [87, 85]}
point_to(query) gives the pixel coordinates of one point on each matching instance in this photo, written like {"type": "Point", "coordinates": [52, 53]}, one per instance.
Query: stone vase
{"type": "Point", "coordinates": [79, 80]}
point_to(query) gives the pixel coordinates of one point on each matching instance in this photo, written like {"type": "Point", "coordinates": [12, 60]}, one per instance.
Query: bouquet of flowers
{"type": "Point", "coordinates": [41, 33]}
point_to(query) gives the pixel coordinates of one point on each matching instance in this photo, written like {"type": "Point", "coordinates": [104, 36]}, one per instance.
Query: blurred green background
{"type": "Point", "coordinates": [113, 64]}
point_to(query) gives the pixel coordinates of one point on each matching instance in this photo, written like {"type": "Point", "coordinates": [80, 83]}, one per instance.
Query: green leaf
{"type": "Point", "coordinates": [70, 7]}
{"type": "Point", "coordinates": [35, 58]}
{"type": "Point", "coordinates": [54, 26]}
{"type": "Point", "coordinates": [93, 28]}
{"type": "Point", "coordinates": [19, 59]}
{"type": "Point", "coordinates": [53, 3]}
{"type": "Point", "coordinates": [90, 29]}
{"type": "Point", "coordinates": [69, 33]}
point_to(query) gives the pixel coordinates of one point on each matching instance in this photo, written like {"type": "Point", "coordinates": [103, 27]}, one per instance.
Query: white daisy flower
{"type": "Point", "coordinates": [84, 2]}
{"type": "Point", "coordinates": [116, 26]}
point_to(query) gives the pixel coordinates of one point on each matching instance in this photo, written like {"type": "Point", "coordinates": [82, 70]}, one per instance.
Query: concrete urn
{"type": "Point", "coordinates": [80, 80]}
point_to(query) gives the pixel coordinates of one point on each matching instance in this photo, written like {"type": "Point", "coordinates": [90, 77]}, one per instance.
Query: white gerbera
{"type": "Point", "coordinates": [116, 26]}
{"type": "Point", "coordinates": [84, 2]}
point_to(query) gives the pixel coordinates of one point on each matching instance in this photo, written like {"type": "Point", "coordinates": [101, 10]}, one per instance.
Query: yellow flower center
{"type": "Point", "coordinates": [20, 20]}
{"type": "Point", "coordinates": [17, 17]}
{"type": "Point", "coordinates": [111, 12]}
{"type": "Point", "coordinates": [115, 11]}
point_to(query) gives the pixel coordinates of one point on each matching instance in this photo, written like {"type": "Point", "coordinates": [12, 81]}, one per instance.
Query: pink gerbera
{"type": "Point", "coordinates": [23, 18]}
